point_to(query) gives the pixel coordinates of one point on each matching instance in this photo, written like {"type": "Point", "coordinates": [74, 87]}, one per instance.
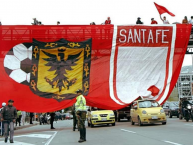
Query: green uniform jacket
{"type": "Point", "coordinates": [80, 103]}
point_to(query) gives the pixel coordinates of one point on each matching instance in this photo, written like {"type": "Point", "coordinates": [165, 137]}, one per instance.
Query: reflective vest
{"type": "Point", "coordinates": [80, 103]}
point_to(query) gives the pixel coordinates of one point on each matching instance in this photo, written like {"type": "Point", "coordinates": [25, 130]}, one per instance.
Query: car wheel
{"type": "Point", "coordinates": [113, 124]}
{"type": "Point", "coordinates": [139, 122]}
{"type": "Point", "coordinates": [170, 115]}
{"type": "Point", "coordinates": [132, 123]}
{"type": "Point", "coordinates": [163, 123]}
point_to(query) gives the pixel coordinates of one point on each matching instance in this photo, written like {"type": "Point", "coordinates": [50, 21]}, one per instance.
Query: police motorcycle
{"type": "Point", "coordinates": [187, 114]}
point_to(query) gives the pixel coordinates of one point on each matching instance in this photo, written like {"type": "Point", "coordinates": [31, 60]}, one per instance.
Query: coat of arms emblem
{"type": "Point", "coordinates": [60, 68]}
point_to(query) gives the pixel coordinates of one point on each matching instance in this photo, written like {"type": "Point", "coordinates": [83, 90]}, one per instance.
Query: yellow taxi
{"type": "Point", "coordinates": [146, 112]}
{"type": "Point", "coordinates": [97, 116]}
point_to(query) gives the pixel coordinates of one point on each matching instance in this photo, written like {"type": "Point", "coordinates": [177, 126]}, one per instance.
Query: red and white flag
{"type": "Point", "coordinates": [162, 10]}
{"type": "Point", "coordinates": [114, 68]}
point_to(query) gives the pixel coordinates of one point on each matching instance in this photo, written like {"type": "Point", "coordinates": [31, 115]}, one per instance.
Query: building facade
{"type": "Point", "coordinates": [185, 85]}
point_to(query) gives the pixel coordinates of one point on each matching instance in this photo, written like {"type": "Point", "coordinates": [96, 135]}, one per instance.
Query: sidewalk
{"type": "Point", "coordinates": [24, 126]}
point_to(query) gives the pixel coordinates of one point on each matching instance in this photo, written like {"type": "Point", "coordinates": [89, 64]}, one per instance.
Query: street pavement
{"type": "Point", "coordinates": [176, 132]}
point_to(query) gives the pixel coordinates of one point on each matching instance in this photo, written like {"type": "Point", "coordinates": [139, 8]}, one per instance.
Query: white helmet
{"type": "Point", "coordinates": [3, 104]}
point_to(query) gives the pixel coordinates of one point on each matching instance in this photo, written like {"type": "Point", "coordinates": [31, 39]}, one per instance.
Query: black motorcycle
{"type": "Point", "coordinates": [187, 113]}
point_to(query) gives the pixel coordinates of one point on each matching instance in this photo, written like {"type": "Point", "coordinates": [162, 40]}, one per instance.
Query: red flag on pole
{"type": "Point", "coordinates": [162, 10]}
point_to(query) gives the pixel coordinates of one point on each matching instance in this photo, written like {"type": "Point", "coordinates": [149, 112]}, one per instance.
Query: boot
{"type": "Point", "coordinates": [84, 134]}
{"type": "Point", "coordinates": [81, 135]}
{"type": "Point", "coordinates": [6, 139]}
{"type": "Point", "coordinates": [11, 141]}
{"type": "Point", "coordinates": [74, 128]}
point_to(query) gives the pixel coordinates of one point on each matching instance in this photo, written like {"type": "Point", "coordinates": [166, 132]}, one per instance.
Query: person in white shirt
{"type": "Point", "coordinates": [164, 20]}
{"type": "Point", "coordinates": [23, 113]}
{"type": "Point", "coordinates": [2, 123]}
{"type": "Point", "coordinates": [191, 20]}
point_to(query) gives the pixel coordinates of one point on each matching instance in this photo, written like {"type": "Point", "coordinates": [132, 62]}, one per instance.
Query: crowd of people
{"type": "Point", "coordinates": [108, 21]}
{"type": "Point", "coordinates": [165, 21]}
{"type": "Point", "coordinates": [9, 116]}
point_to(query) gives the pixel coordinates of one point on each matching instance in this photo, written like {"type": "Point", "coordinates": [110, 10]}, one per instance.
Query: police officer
{"type": "Point", "coordinates": [74, 117]}
{"type": "Point", "coordinates": [18, 120]}
{"type": "Point", "coordinates": [80, 107]}
{"type": "Point", "coordinates": [185, 102]}
{"type": "Point", "coordinates": [9, 115]}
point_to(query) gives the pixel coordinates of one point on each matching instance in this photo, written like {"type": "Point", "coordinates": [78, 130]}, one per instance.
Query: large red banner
{"type": "Point", "coordinates": [41, 67]}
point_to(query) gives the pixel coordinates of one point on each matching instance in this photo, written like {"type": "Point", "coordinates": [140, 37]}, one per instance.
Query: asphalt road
{"type": "Point", "coordinates": [176, 132]}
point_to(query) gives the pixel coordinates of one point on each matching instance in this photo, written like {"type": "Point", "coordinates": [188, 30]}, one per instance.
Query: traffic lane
{"type": "Point", "coordinates": [176, 131]}
{"type": "Point", "coordinates": [104, 134]}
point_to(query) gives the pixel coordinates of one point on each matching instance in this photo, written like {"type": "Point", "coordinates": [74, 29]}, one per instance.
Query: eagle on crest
{"type": "Point", "coordinates": [58, 64]}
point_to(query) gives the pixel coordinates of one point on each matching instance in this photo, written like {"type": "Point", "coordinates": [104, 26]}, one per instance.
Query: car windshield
{"type": "Point", "coordinates": [96, 109]}
{"type": "Point", "coordinates": [148, 104]}
{"type": "Point", "coordinates": [125, 109]}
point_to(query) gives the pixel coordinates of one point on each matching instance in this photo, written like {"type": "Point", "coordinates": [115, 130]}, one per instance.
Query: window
{"type": "Point", "coordinates": [185, 78]}
{"type": "Point", "coordinates": [148, 104]}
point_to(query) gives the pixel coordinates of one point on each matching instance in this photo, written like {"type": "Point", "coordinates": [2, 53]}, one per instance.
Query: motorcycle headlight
{"type": "Point", "coordinates": [189, 107]}
{"type": "Point", "coordinates": [144, 112]}
{"type": "Point", "coordinates": [162, 110]}
{"type": "Point", "coordinates": [94, 115]}
{"type": "Point", "coordinates": [111, 115]}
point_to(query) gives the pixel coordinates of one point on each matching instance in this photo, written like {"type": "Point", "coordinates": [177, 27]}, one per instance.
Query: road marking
{"type": "Point", "coordinates": [15, 143]}
{"type": "Point", "coordinates": [128, 131]}
{"type": "Point", "coordinates": [49, 141]}
{"type": "Point", "coordinates": [188, 124]}
{"type": "Point", "coordinates": [36, 135]}
{"type": "Point", "coordinates": [172, 142]}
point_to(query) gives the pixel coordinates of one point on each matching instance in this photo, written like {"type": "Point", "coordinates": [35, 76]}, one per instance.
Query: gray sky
{"type": "Point", "coordinates": [21, 12]}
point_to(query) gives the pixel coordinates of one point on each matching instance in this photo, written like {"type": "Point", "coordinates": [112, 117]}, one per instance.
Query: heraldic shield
{"type": "Point", "coordinates": [60, 68]}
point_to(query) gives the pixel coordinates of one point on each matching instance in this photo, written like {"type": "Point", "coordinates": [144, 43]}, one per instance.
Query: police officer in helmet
{"type": "Point", "coordinates": [80, 107]}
